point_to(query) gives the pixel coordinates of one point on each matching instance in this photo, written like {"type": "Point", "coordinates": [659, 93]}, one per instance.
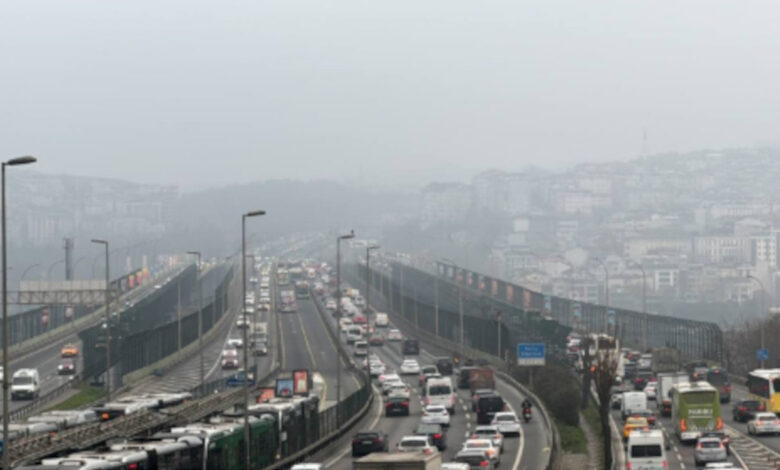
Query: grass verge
{"type": "Point", "coordinates": [591, 414]}
{"type": "Point", "coordinates": [87, 394]}
{"type": "Point", "coordinates": [573, 440]}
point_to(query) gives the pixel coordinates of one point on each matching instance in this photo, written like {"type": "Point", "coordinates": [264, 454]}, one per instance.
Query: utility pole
{"type": "Point", "coordinates": [68, 245]}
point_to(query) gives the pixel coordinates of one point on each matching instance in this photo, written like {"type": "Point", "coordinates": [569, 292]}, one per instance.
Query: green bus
{"type": "Point", "coordinates": [223, 442]}
{"type": "Point", "coordinates": [695, 409]}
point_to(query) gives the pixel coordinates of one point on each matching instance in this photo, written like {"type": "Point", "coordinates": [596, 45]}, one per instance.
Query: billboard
{"type": "Point", "coordinates": [284, 387]}
{"type": "Point", "coordinates": [266, 393]}
{"type": "Point", "coordinates": [301, 382]}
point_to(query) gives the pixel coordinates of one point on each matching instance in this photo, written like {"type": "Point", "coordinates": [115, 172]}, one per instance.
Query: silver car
{"type": "Point", "coordinates": [709, 449]}
{"type": "Point", "coordinates": [489, 432]}
{"type": "Point", "coordinates": [764, 423]}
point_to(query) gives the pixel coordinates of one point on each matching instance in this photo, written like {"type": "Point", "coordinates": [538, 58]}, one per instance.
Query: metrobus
{"type": "Point", "coordinates": [695, 409]}
{"type": "Point", "coordinates": [764, 385]}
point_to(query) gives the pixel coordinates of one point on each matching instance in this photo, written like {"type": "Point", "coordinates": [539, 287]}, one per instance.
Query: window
{"type": "Point", "coordinates": [22, 380]}
{"type": "Point", "coordinates": [699, 398]}
{"type": "Point", "coordinates": [439, 390]}
{"type": "Point", "coordinates": [759, 386]}
{"type": "Point", "coordinates": [647, 450]}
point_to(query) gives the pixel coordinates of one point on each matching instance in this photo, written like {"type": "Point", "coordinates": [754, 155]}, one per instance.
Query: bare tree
{"type": "Point", "coordinates": [604, 371]}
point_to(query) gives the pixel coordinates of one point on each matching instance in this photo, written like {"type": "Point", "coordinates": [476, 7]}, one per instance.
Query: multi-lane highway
{"type": "Point", "coordinates": [48, 358]}
{"type": "Point", "coordinates": [527, 451]}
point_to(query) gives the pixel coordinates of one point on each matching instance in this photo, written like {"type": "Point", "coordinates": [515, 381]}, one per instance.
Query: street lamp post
{"type": "Point", "coordinates": [763, 309]}
{"type": "Point", "coordinates": [247, 447]}
{"type": "Point", "coordinates": [368, 299]}
{"type": "Point", "coordinates": [76, 263]}
{"type": "Point", "coordinates": [200, 316]}
{"type": "Point", "coordinates": [351, 234]}
{"type": "Point", "coordinates": [28, 269]}
{"type": "Point", "coordinates": [644, 305]}
{"type": "Point", "coordinates": [606, 292]}
{"type": "Point", "coordinates": [108, 321]}
{"type": "Point", "coordinates": [48, 273]}
{"type": "Point", "coordinates": [12, 162]}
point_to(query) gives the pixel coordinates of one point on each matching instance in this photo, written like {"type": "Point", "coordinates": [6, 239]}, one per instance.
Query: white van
{"type": "Point", "coordinates": [633, 402]}
{"type": "Point", "coordinates": [25, 384]}
{"type": "Point", "coordinates": [381, 320]}
{"type": "Point", "coordinates": [440, 392]}
{"type": "Point", "coordinates": [646, 450]}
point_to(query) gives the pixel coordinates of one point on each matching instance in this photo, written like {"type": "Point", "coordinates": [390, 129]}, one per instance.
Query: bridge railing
{"type": "Point", "coordinates": [694, 339]}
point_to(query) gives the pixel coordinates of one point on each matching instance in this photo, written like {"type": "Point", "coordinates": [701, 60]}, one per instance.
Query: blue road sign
{"type": "Point", "coordinates": [530, 354]}
{"type": "Point", "coordinates": [762, 354]}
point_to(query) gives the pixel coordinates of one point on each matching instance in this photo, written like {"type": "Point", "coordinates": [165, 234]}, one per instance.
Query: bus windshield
{"type": "Point", "coordinates": [699, 398]}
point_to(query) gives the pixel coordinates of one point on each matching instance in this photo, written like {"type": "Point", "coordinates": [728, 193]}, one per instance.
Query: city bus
{"type": "Point", "coordinates": [695, 410]}
{"type": "Point", "coordinates": [282, 277]}
{"type": "Point", "coordinates": [719, 378]}
{"type": "Point", "coordinates": [764, 385]}
{"type": "Point", "coordinates": [301, 290]}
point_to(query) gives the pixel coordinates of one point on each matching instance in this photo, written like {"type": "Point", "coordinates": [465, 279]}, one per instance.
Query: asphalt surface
{"type": "Point", "coordinates": [47, 359]}
{"type": "Point", "coordinates": [756, 452]}
{"type": "Point", "coordinates": [526, 451]}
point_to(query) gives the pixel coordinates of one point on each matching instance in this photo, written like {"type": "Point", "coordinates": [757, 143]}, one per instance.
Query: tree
{"type": "Point", "coordinates": [604, 371]}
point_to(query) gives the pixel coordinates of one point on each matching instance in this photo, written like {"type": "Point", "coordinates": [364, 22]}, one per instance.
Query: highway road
{"type": "Point", "coordinates": [47, 359]}
{"type": "Point", "coordinates": [527, 451]}
{"type": "Point", "coordinates": [756, 452]}
{"type": "Point", "coordinates": [186, 375]}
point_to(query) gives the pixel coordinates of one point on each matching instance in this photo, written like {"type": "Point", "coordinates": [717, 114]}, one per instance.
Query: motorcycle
{"type": "Point", "coordinates": [527, 415]}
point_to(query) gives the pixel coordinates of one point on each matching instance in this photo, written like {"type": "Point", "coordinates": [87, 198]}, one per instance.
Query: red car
{"type": "Point", "coordinates": [359, 320]}
{"type": "Point", "coordinates": [376, 341]}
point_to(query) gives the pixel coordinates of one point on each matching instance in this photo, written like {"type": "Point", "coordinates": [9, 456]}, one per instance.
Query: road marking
{"type": "Point", "coordinates": [348, 448]}
{"type": "Point", "coordinates": [520, 446]}
{"type": "Point", "coordinates": [306, 340]}
{"type": "Point", "coordinates": [679, 457]}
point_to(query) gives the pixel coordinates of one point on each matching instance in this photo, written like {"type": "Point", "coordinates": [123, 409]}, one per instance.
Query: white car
{"type": "Point", "coordinates": [764, 423]}
{"type": "Point", "coordinates": [392, 376]}
{"type": "Point", "coordinates": [436, 414]}
{"type": "Point", "coordinates": [650, 390]}
{"type": "Point", "coordinates": [346, 324]}
{"type": "Point", "coordinates": [330, 305]}
{"type": "Point", "coordinates": [236, 343]}
{"type": "Point", "coordinates": [394, 335]}
{"type": "Point", "coordinates": [410, 367]}
{"type": "Point", "coordinates": [388, 384]}
{"type": "Point", "coordinates": [487, 445]}
{"type": "Point", "coordinates": [377, 369]}
{"type": "Point", "coordinates": [399, 389]}
{"type": "Point", "coordinates": [489, 431]}
{"type": "Point", "coordinates": [416, 444]}
{"type": "Point", "coordinates": [507, 422]}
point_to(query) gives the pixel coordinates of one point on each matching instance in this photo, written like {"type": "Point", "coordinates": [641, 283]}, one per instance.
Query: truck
{"type": "Point", "coordinates": [667, 380]}
{"type": "Point", "coordinates": [481, 377]}
{"type": "Point", "coordinates": [666, 360]}
{"type": "Point", "coordinates": [400, 461]}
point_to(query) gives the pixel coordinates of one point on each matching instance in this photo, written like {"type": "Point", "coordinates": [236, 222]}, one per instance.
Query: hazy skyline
{"type": "Point", "coordinates": [209, 93]}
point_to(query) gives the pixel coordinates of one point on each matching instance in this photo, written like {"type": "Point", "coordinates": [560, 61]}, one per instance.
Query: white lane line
{"type": "Point", "coordinates": [682, 466]}
{"type": "Point", "coordinates": [348, 448]}
{"type": "Point", "coordinates": [679, 457]}
{"type": "Point", "coordinates": [520, 446]}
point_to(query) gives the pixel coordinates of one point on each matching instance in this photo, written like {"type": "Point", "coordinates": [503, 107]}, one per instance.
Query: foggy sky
{"type": "Point", "coordinates": [208, 93]}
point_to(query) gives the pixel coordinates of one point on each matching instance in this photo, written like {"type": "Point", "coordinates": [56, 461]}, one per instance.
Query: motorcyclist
{"type": "Point", "coordinates": [526, 409]}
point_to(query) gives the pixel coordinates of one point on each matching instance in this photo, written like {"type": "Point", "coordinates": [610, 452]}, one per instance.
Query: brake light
{"type": "Point", "coordinates": [743, 409]}
{"type": "Point", "coordinates": [484, 463]}
{"type": "Point", "coordinates": [104, 416]}
{"type": "Point", "coordinates": [699, 446]}
{"type": "Point", "coordinates": [720, 424]}
{"type": "Point", "coordinates": [497, 436]}
{"type": "Point", "coordinates": [388, 405]}
{"type": "Point", "coordinates": [683, 425]}
{"type": "Point", "coordinates": [132, 466]}
{"type": "Point", "coordinates": [356, 441]}
{"type": "Point", "coordinates": [427, 400]}
{"type": "Point", "coordinates": [666, 465]}
{"type": "Point", "coordinates": [437, 435]}
{"type": "Point", "coordinates": [628, 465]}
{"type": "Point", "coordinates": [761, 407]}
{"type": "Point", "coordinates": [406, 403]}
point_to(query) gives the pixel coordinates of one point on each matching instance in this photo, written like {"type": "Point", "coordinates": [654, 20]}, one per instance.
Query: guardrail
{"type": "Point", "coordinates": [28, 409]}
